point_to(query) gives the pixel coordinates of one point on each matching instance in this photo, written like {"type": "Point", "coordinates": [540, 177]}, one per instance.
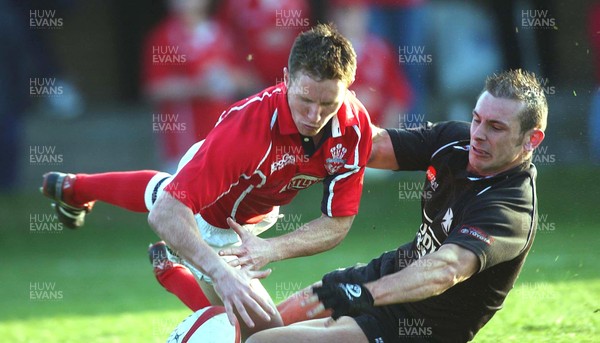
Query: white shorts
{"type": "Point", "coordinates": [219, 239]}
{"type": "Point", "coordinates": [215, 237]}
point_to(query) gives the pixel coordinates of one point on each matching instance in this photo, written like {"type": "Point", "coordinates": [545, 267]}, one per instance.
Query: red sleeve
{"type": "Point", "coordinates": [235, 147]}
{"type": "Point", "coordinates": [342, 191]}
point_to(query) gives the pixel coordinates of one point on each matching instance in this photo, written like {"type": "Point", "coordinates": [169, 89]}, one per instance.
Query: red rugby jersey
{"type": "Point", "coordinates": [255, 159]}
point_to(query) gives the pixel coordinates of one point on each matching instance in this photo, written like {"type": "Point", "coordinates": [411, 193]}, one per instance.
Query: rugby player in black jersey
{"type": "Point", "coordinates": [479, 217]}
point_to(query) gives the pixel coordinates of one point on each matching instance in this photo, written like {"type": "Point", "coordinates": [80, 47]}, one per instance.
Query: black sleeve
{"type": "Point", "coordinates": [497, 227]}
{"type": "Point", "coordinates": [414, 147]}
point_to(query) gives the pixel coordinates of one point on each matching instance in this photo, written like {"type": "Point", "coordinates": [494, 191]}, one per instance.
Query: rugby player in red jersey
{"type": "Point", "coordinates": [263, 150]}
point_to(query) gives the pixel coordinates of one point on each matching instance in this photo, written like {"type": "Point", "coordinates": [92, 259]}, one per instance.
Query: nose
{"type": "Point", "coordinates": [314, 113]}
{"type": "Point", "coordinates": [478, 132]}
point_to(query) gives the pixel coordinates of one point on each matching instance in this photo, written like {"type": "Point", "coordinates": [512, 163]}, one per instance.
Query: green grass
{"type": "Point", "coordinates": [104, 290]}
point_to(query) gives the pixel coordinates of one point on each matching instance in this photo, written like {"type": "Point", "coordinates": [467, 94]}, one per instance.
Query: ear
{"type": "Point", "coordinates": [286, 77]}
{"type": "Point", "coordinates": [535, 139]}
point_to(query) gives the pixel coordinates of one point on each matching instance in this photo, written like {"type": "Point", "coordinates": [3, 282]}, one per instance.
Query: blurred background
{"type": "Point", "coordinates": [134, 83]}
{"type": "Point", "coordinates": [92, 86]}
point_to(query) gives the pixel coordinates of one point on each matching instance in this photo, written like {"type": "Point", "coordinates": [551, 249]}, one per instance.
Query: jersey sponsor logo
{"type": "Point", "coordinates": [476, 233]}
{"type": "Point", "coordinates": [301, 182]}
{"type": "Point", "coordinates": [431, 173]}
{"type": "Point", "coordinates": [337, 160]}
{"type": "Point", "coordinates": [426, 241]}
{"type": "Point", "coordinates": [285, 160]}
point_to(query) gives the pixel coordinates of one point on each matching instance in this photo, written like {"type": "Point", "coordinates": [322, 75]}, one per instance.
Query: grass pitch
{"type": "Point", "coordinates": [96, 284]}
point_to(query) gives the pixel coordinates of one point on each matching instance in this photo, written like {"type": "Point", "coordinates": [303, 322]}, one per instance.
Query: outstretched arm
{"type": "Point", "coordinates": [429, 276]}
{"type": "Point", "coordinates": [382, 153]}
{"type": "Point", "coordinates": [175, 223]}
{"type": "Point", "coordinates": [314, 237]}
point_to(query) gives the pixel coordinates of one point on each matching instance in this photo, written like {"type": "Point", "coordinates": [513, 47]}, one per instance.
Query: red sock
{"type": "Point", "coordinates": [123, 189]}
{"type": "Point", "coordinates": [181, 282]}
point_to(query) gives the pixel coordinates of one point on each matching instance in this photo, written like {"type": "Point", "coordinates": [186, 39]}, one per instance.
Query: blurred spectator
{"type": "Point", "coordinates": [380, 83]}
{"type": "Point", "coordinates": [525, 45]}
{"type": "Point", "coordinates": [37, 17]}
{"type": "Point", "coordinates": [190, 73]}
{"type": "Point", "coordinates": [464, 54]}
{"type": "Point", "coordinates": [593, 29]}
{"type": "Point", "coordinates": [405, 24]}
{"type": "Point", "coordinates": [25, 55]}
{"type": "Point", "coordinates": [15, 64]}
{"type": "Point", "coordinates": [264, 31]}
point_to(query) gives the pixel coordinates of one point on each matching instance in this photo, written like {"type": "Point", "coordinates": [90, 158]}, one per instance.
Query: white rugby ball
{"type": "Point", "coordinates": [207, 325]}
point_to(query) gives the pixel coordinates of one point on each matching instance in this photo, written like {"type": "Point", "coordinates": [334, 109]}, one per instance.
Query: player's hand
{"type": "Point", "coordinates": [254, 252]}
{"type": "Point", "coordinates": [343, 298]}
{"type": "Point", "coordinates": [234, 288]}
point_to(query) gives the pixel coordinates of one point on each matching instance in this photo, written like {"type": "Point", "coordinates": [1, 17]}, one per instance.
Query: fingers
{"type": "Point", "coordinates": [315, 311]}
{"type": "Point", "coordinates": [233, 251]}
{"type": "Point", "coordinates": [264, 305]}
{"type": "Point", "coordinates": [240, 230]}
{"type": "Point", "coordinates": [255, 303]}
{"type": "Point", "coordinates": [234, 263]}
{"type": "Point", "coordinates": [259, 274]}
{"type": "Point", "coordinates": [239, 306]}
{"type": "Point", "coordinates": [230, 314]}
{"type": "Point", "coordinates": [309, 300]}
{"type": "Point", "coordinates": [330, 321]}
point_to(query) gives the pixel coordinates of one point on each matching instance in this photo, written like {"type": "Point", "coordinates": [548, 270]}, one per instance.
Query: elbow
{"type": "Point", "coordinates": [338, 239]}
{"type": "Point", "coordinates": [338, 231]}
{"type": "Point", "coordinates": [445, 278]}
{"type": "Point", "coordinates": [345, 226]}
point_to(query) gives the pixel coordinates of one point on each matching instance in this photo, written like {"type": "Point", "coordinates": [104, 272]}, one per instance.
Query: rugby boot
{"type": "Point", "coordinates": [161, 257]}
{"type": "Point", "coordinates": [59, 187]}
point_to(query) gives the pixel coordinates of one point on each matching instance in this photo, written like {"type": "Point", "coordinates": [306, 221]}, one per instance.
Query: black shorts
{"type": "Point", "coordinates": [382, 324]}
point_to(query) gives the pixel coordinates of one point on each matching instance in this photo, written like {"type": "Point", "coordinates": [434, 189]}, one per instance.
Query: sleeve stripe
{"type": "Point", "coordinates": [332, 186]}
{"type": "Point", "coordinates": [443, 147]}
{"type": "Point", "coordinates": [356, 148]}
{"type": "Point", "coordinates": [256, 98]}
{"type": "Point", "coordinates": [354, 168]}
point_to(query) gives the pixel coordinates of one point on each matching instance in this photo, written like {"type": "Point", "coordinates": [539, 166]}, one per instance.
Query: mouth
{"type": "Point", "coordinates": [310, 127]}
{"type": "Point", "coordinates": [479, 152]}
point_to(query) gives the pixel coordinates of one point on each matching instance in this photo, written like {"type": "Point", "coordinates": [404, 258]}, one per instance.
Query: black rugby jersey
{"type": "Point", "coordinates": [494, 217]}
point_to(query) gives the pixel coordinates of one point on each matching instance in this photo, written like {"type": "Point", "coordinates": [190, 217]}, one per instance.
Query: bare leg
{"type": "Point", "coordinates": [344, 330]}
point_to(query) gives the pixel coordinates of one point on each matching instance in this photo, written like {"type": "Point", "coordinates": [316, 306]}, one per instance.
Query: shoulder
{"type": "Point", "coordinates": [247, 123]}
{"type": "Point", "coordinates": [513, 193]}
{"type": "Point", "coordinates": [355, 109]}
{"type": "Point", "coordinates": [260, 105]}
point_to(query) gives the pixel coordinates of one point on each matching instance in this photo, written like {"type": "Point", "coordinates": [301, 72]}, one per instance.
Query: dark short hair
{"type": "Point", "coordinates": [523, 86]}
{"type": "Point", "coordinates": [324, 54]}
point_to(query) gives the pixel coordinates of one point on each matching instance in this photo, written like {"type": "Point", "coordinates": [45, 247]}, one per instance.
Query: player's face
{"type": "Point", "coordinates": [313, 103]}
{"type": "Point", "coordinates": [496, 140]}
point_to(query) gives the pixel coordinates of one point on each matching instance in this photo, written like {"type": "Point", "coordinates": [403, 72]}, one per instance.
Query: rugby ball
{"type": "Point", "coordinates": [207, 325]}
